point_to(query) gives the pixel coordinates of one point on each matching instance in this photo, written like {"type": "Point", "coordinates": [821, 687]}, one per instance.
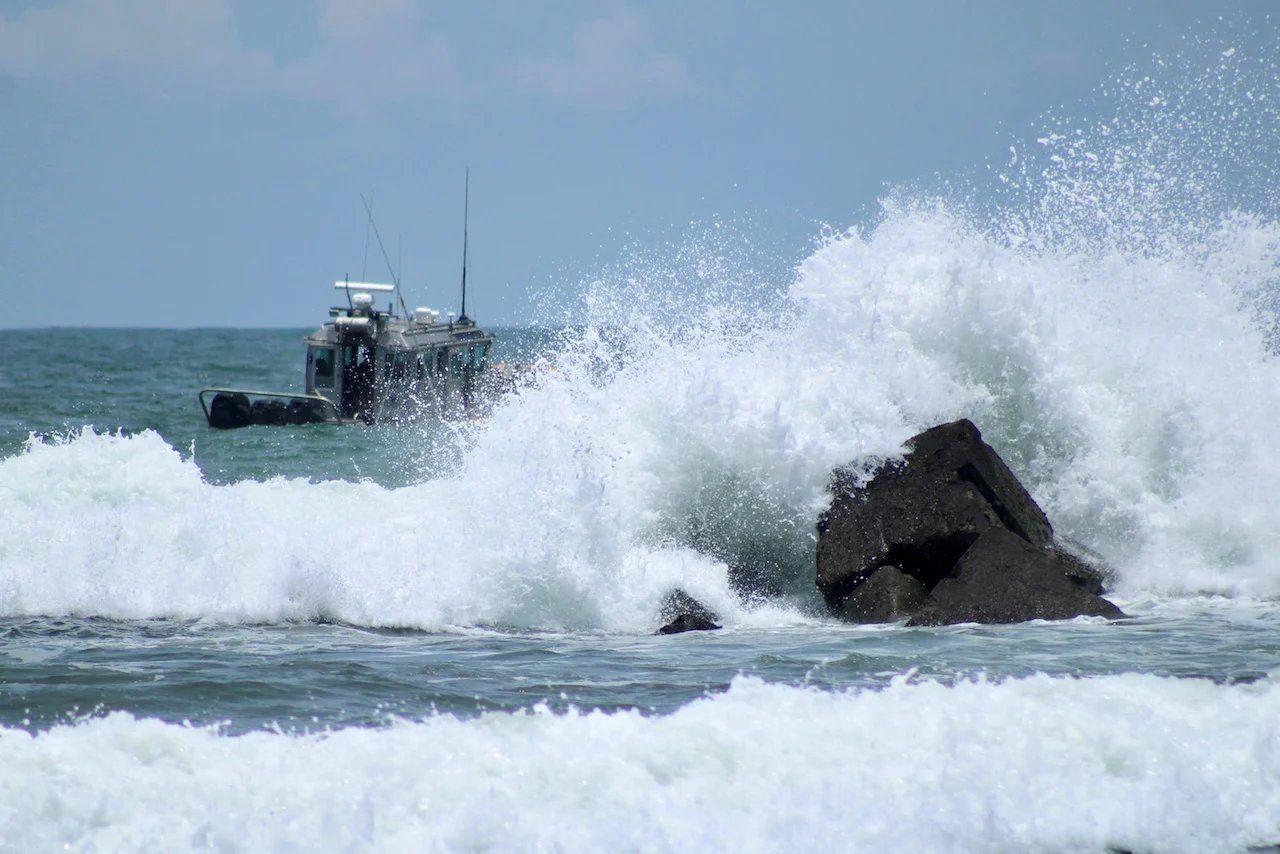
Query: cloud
{"type": "Point", "coordinates": [365, 51]}
{"type": "Point", "coordinates": [609, 65]}
{"type": "Point", "coordinates": [375, 51]}
{"type": "Point", "coordinates": [361, 54]}
{"type": "Point", "coordinates": [167, 44]}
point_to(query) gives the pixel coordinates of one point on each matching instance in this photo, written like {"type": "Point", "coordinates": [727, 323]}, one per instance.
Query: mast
{"type": "Point", "coordinates": [466, 200]}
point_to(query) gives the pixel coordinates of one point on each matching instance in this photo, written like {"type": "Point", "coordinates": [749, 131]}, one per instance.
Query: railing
{"type": "Point", "coordinates": [328, 407]}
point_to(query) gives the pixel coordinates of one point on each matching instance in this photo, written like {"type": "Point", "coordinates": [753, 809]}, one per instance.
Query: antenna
{"type": "Point", "coordinates": [369, 210]}
{"type": "Point", "coordinates": [365, 263]}
{"type": "Point", "coordinates": [466, 200]}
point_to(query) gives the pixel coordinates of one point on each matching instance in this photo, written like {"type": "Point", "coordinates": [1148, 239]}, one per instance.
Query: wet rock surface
{"type": "Point", "coordinates": [1085, 567]}
{"type": "Point", "coordinates": [887, 596]}
{"type": "Point", "coordinates": [680, 612]}
{"type": "Point", "coordinates": [953, 518]}
{"type": "Point", "coordinates": [1004, 579]}
{"type": "Point", "coordinates": [687, 623]}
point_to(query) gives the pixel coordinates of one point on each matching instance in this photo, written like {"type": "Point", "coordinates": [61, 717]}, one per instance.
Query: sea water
{"type": "Point", "coordinates": [440, 638]}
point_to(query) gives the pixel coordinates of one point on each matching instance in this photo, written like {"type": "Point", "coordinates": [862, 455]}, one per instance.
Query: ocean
{"type": "Point", "coordinates": [441, 637]}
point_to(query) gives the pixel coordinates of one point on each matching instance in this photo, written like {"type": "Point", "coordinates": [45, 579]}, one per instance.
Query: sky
{"type": "Point", "coordinates": [202, 163]}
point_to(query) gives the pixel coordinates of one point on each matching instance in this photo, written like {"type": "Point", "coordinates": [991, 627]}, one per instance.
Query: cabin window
{"type": "Point", "coordinates": [456, 359]}
{"type": "Point", "coordinates": [400, 367]}
{"type": "Point", "coordinates": [480, 353]}
{"type": "Point", "coordinates": [322, 359]}
{"type": "Point", "coordinates": [442, 361]}
{"type": "Point", "coordinates": [421, 368]}
{"type": "Point", "coordinates": [386, 365]}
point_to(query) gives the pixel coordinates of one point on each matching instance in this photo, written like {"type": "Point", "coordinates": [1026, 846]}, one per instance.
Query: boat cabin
{"type": "Point", "coordinates": [379, 366]}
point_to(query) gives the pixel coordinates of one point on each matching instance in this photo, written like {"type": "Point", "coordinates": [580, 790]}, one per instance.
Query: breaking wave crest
{"type": "Point", "coordinates": [1105, 309]}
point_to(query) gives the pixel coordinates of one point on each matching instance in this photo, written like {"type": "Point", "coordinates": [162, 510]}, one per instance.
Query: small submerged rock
{"type": "Point", "coordinates": [682, 613]}
{"type": "Point", "coordinates": [687, 623]}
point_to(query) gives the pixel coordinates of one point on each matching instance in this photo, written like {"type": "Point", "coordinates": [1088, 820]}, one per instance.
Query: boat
{"type": "Point", "coordinates": [366, 366]}
{"type": "Point", "coordinates": [372, 367]}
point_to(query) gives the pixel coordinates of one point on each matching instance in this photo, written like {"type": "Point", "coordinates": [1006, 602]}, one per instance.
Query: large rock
{"type": "Point", "coordinates": [1004, 579]}
{"type": "Point", "coordinates": [950, 521]}
{"type": "Point", "coordinates": [922, 514]}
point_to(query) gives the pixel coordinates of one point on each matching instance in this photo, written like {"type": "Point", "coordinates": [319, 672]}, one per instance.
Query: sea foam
{"type": "Point", "coordinates": [1035, 764]}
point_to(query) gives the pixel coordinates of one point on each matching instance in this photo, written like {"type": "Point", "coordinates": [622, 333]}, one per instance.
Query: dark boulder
{"type": "Point", "coordinates": [953, 522]}
{"type": "Point", "coordinates": [887, 596]}
{"type": "Point", "coordinates": [922, 514]}
{"type": "Point", "coordinates": [1004, 579]}
{"type": "Point", "coordinates": [682, 613]}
